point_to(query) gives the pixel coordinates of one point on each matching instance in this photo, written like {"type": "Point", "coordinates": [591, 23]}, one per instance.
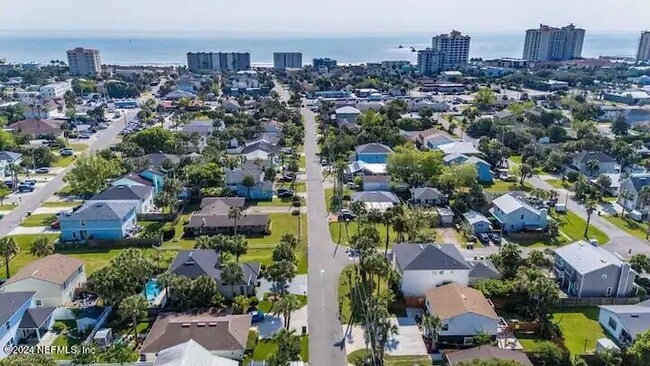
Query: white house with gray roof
{"type": "Point", "coordinates": [629, 192]}
{"type": "Point", "coordinates": [587, 270]}
{"type": "Point", "coordinates": [141, 197]}
{"type": "Point", "coordinates": [379, 200]}
{"type": "Point", "coordinates": [625, 322]}
{"type": "Point", "coordinates": [427, 196]}
{"type": "Point", "coordinates": [516, 215]}
{"type": "Point", "coordinates": [606, 163]}
{"type": "Point", "coordinates": [425, 266]}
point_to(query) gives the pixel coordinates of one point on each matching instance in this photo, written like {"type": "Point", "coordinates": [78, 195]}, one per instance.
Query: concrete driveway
{"type": "Point", "coordinates": [297, 287]}
{"type": "Point", "coordinates": [273, 323]}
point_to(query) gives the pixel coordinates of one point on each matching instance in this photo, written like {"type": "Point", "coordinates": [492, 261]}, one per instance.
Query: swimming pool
{"type": "Point", "coordinates": [151, 290]}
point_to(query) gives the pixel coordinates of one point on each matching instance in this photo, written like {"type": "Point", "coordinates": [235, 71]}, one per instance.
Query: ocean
{"type": "Point", "coordinates": [169, 50]}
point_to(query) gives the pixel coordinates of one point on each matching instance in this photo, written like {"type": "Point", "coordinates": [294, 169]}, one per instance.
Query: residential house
{"type": "Point", "coordinates": [141, 197]}
{"type": "Point", "coordinates": [482, 269]}
{"type": "Point", "coordinates": [432, 141]}
{"type": "Point", "coordinates": [375, 182]}
{"type": "Point", "coordinates": [37, 128]}
{"type": "Point", "coordinates": [157, 177]}
{"type": "Point", "coordinates": [477, 222]}
{"type": "Point", "coordinates": [7, 159]}
{"type": "Point", "coordinates": [486, 353]}
{"type": "Point", "coordinates": [261, 149]}
{"type": "Point", "coordinates": [143, 178]}
{"type": "Point", "coordinates": [204, 129]}
{"type": "Point", "coordinates": [425, 266]}
{"type": "Point", "coordinates": [160, 160]}
{"type": "Point", "coordinates": [190, 353]}
{"type": "Point", "coordinates": [505, 117]}
{"type": "Point", "coordinates": [427, 197]}
{"type": "Point", "coordinates": [347, 113]}
{"type": "Point", "coordinates": [625, 322]}
{"type": "Point", "coordinates": [459, 147]}
{"type": "Point", "coordinates": [606, 163]}
{"type": "Point", "coordinates": [206, 262]}
{"type": "Point", "coordinates": [99, 221]}
{"type": "Point", "coordinates": [222, 335]}
{"type": "Point", "coordinates": [630, 188]}
{"type": "Point", "coordinates": [373, 153]}
{"type": "Point", "coordinates": [446, 216]}
{"type": "Point", "coordinates": [16, 316]}
{"type": "Point", "coordinates": [483, 168]}
{"type": "Point", "coordinates": [587, 270]}
{"type": "Point", "coordinates": [380, 200]}
{"type": "Point", "coordinates": [516, 215]}
{"type": "Point", "coordinates": [213, 218]}
{"type": "Point", "coordinates": [463, 311]}
{"type": "Point", "coordinates": [272, 131]}
{"type": "Point", "coordinates": [260, 190]}
{"type": "Point", "coordinates": [52, 279]}
{"type": "Point", "coordinates": [360, 168]}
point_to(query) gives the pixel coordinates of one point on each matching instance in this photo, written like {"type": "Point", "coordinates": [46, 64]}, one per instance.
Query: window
{"type": "Point", "coordinates": [39, 303]}
{"type": "Point", "coordinates": [7, 325]}
{"type": "Point", "coordinates": [74, 235]}
{"type": "Point", "coordinates": [609, 292]}
{"type": "Point", "coordinates": [83, 222]}
{"type": "Point", "coordinates": [604, 277]}
{"type": "Point", "coordinates": [441, 272]}
{"type": "Point", "coordinates": [612, 323]}
{"type": "Point", "coordinates": [521, 217]}
{"type": "Point", "coordinates": [468, 341]}
{"type": "Point", "coordinates": [445, 327]}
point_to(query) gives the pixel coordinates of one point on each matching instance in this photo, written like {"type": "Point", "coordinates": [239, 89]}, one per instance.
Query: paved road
{"type": "Point", "coordinates": [326, 342]}
{"type": "Point", "coordinates": [36, 198]}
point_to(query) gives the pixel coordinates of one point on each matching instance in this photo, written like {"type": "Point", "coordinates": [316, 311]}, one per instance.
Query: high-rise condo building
{"type": "Point", "coordinates": [643, 54]}
{"type": "Point", "coordinates": [218, 61]}
{"type": "Point", "coordinates": [282, 60]}
{"type": "Point", "coordinates": [454, 48]}
{"type": "Point", "coordinates": [553, 44]}
{"type": "Point", "coordinates": [430, 61]}
{"type": "Point", "coordinates": [84, 62]}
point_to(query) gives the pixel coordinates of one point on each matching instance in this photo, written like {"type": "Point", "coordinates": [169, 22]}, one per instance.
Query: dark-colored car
{"type": "Point", "coordinates": [484, 238]}
{"type": "Point", "coordinates": [346, 215]}
{"type": "Point", "coordinates": [25, 188]}
{"type": "Point", "coordinates": [285, 193]}
{"type": "Point", "coordinates": [495, 238]}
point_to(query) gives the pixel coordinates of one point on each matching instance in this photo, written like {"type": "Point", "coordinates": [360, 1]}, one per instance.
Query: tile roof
{"type": "Point", "coordinates": [10, 302]}
{"type": "Point", "coordinates": [453, 299]}
{"type": "Point", "coordinates": [213, 331]}
{"type": "Point", "coordinates": [99, 211]}
{"type": "Point", "coordinates": [55, 268]}
{"type": "Point", "coordinates": [487, 353]}
{"type": "Point", "coordinates": [122, 192]}
{"type": "Point", "coordinates": [416, 257]}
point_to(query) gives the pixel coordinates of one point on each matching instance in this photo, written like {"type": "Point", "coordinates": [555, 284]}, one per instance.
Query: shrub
{"type": "Point", "coordinates": [253, 301]}
{"type": "Point", "coordinates": [169, 233]}
{"type": "Point", "coordinates": [296, 203]}
{"type": "Point", "coordinates": [295, 212]}
{"type": "Point", "coordinates": [58, 327]}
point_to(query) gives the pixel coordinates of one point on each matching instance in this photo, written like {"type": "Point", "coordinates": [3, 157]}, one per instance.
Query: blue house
{"type": "Point", "coordinates": [13, 307]}
{"type": "Point", "coordinates": [261, 190]}
{"type": "Point", "coordinates": [148, 177]}
{"type": "Point", "coordinates": [99, 220]}
{"type": "Point", "coordinates": [373, 153]}
{"type": "Point", "coordinates": [483, 168]}
{"type": "Point", "coordinates": [516, 215]}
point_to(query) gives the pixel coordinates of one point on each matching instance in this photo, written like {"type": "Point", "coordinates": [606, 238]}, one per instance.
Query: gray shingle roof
{"type": "Point", "coordinates": [100, 211]}
{"type": "Point", "coordinates": [190, 353]}
{"type": "Point", "coordinates": [585, 156]}
{"type": "Point", "coordinates": [373, 148]}
{"type": "Point", "coordinates": [120, 193]}
{"type": "Point", "coordinates": [634, 318]}
{"type": "Point", "coordinates": [483, 269]}
{"type": "Point", "coordinates": [508, 203]}
{"type": "Point", "coordinates": [487, 353]}
{"type": "Point", "coordinates": [375, 196]}
{"type": "Point", "coordinates": [9, 155]}
{"type": "Point", "coordinates": [205, 262]}
{"type": "Point", "coordinates": [416, 257]}
{"type": "Point", "coordinates": [640, 180]}
{"type": "Point", "coordinates": [10, 302]}
{"type": "Point", "coordinates": [157, 159]}
{"type": "Point", "coordinates": [425, 193]}
{"type": "Point", "coordinates": [473, 217]}
{"type": "Point", "coordinates": [35, 317]}
{"type": "Point", "coordinates": [585, 258]}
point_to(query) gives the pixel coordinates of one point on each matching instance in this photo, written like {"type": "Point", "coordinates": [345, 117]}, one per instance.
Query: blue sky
{"type": "Point", "coordinates": [304, 17]}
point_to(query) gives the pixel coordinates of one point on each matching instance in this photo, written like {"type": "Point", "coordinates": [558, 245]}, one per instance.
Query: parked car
{"type": "Point", "coordinates": [66, 152]}
{"type": "Point", "coordinates": [84, 136]}
{"type": "Point", "coordinates": [484, 238]}
{"type": "Point", "coordinates": [42, 170]}
{"type": "Point", "coordinates": [346, 215]}
{"type": "Point", "coordinates": [285, 193]}
{"type": "Point", "coordinates": [9, 183]}
{"type": "Point", "coordinates": [495, 238]}
{"type": "Point", "coordinates": [25, 188]}
{"type": "Point", "coordinates": [55, 225]}
{"type": "Point", "coordinates": [29, 181]}
{"type": "Point", "coordinates": [324, 162]}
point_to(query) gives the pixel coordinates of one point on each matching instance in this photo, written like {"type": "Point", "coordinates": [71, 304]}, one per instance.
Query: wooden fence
{"type": "Point", "coordinates": [595, 301]}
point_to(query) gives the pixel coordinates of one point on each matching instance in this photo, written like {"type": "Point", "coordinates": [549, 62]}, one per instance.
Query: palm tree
{"type": "Point", "coordinates": [593, 165]}
{"type": "Point", "coordinates": [231, 273]}
{"type": "Point", "coordinates": [8, 248]}
{"type": "Point", "coordinates": [287, 304]}
{"type": "Point", "coordinates": [248, 181]}
{"type": "Point", "coordinates": [134, 307]}
{"type": "Point", "coordinates": [590, 206]}
{"type": "Point", "coordinates": [41, 247]}
{"type": "Point", "coordinates": [238, 246]}
{"type": "Point", "coordinates": [204, 242]}
{"type": "Point", "coordinates": [431, 325]}
{"type": "Point", "coordinates": [235, 213]}
{"type": "Point", "coordinates": [166, 279]}
{"type": "Point", "coordinates": [387, 218]}
{"type": "Point", "coordinates": [221, 243]}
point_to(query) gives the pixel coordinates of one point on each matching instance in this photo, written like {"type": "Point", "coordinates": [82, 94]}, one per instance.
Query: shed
{"type": "Point", "coordinates": [103, 337]}
{"type": "Point", "coordinates": [446, 216]}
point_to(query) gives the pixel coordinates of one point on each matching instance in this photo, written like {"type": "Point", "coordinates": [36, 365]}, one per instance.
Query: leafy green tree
{"type": "Point", "coordinates": [154, 139]}
{"type": "Point", "coordinates": [281, 273]}
{"type": "Point", "coordinates": [525, 171]}
{"type": "Point", "coordinates": [593, 165]}
{"type": "Point", "coordinates": [204, 175]}
{"type": "Point", "coordinates": [8, 249]}
{"type": "Point", "coordinates": [508, 260]}
{"type": "Point", "coordinates": [238, 246]}
{"type": "Point", "coordinates": [125, 275]}
{"type": "Point", "coordinates": [4, 192]}
{"type": "Point", "coordinates": [119, 353]}
{"type": "Point", "coordinates": [91, 174]}
{"type": "Point", "coordinates": [484, 98]}
{"type": "Point", "coordinates": [551, 354]}
{"type": "Point", "coordinates": [482, 339]}
{"type": "Point", "coordinates": [640, 263]}
{"type": "Point", "coordinates": [620, 126]}
{"type": "Point", "coordinates": [133, 308]}
{"type": "Point", "coordinates": [27, 360]}
{"type": "Point", "coordinates": [240, 304]}
{"type": "Point", "coordinates": [204, 288]}
{"type": "Point", "coordinates": [640, 350]}
{"type": "Point", "coordinates": [407, 160]}
{"type": "Point", "coordinates": [41, 247]}
{"type": "Point", "coordinates": [232, 274]}
{"type": "Point", "coordinates": [285, 306]}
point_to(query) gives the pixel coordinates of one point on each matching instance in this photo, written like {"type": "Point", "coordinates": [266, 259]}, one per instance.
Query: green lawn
{"type": "Point", "coordinates": [300, 187]}
{"type": "Point", "coordinates": [65, 190]}
{"type": "Point", "coordinates": [574, 227]}
{"type": "Point", "coordinates": [78, 147]}
{"type": "Point", "coordinates": [501, 186]}
{"type": "Point", "coordinates": [266, 347]}
{"type": "Point", "coordinates": [329, 193]}
{"type": "Point", "coordinates": [580, 328]}
{"type": "Point", "coordinates": [62, 161]}
{"type": "Point", "coordinates": [301, 162]}
{"type": "Point", "coordinates": [337, 228]}
{"type": "Point", "coordinates": [274, 202]}
{"type": "Point", "coordinates": [68, 339]}
{"type": "Point", "coordinates": [60, 203]}
{"type": "Point", "coordinates": [515, 159]}
{"type": "Point", "coordinates": [345, 300]}
{"type": "Point", "coordinates": [23, 257]}
{"type": "Point", "coordinates": [627, 224]}
{"type": "Point", "coordinates": [355, 358]}
{"type": "Point", "coordinates": [38, 220]}
{"type": "Point", "coordinates": [531, 343]}
{"type": "Point", "coordinates": [557, 183]}
{"type": "Point", "coordinates": [7, 207]}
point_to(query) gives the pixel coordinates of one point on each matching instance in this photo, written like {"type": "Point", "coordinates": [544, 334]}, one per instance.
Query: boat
{"type": "Point", "coordinates": [413, 49]}
{"type": "Point", "coordinates": [400, 46]}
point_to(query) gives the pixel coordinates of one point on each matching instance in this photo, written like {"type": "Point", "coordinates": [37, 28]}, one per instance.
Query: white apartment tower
{"type": "Point", "coordinates": [218, 61]}
{"type": "Point", "coordinates": [553, 44]}
{"type": "Point", "coordinates": [430, 61]}
{"type": "Point", "coordinates": [643, 54]}
{"type": "Point", "coordinates": [454, 48]}
{"type": "Point", "coordinates": [84, 62]}
{"type": "Point", "coordinates": [282, 60]}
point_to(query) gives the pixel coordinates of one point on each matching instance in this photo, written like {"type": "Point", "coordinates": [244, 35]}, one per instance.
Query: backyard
{"type": "Point", "coordinates": [580, 328]}
{"type": "Point", "coordinates": [501, 186]}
